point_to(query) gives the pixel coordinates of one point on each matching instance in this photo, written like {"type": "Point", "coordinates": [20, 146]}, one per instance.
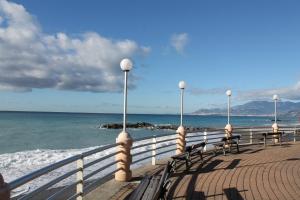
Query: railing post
{"type": "Point", "coordinates": [295, 131]}
{"type": "Point", "coordinates": [79, 175]}
{"type": "Point", "coordinates": [251, 136]}
{"type": "Point", "coordinates": [154, 150]}
{"type": "Point", "coordinates": [124, 157]}
{"type": "Point", "coordinates": [180, 142]}
{"type": "Point", "coordinates": [205, 139]}
{"type": "Point", "coordinates": [4, 189]}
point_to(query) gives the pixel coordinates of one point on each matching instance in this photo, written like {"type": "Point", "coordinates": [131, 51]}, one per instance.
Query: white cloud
{"type": "Point", "coordinates": [179, 42]}
{"type": "Point", "coordinates": [291, 93]}
{"type": "Point", "coordinates": [30, 58]}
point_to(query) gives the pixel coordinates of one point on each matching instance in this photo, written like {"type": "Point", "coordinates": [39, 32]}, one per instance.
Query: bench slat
{"type": "Point", "coordinates": [164, 177]}
{"type": "Point", "coordinates": [227, 142]}
{"type": "Point", "coordinates": [140, 190]}
{"type": "Point", "coordinates": [152, 188]}
{"type": "Point", "coordinates": [190, 151]}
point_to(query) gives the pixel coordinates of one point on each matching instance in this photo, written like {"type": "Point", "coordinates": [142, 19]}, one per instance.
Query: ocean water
{"type": "Point", "coordinates": [23, 131]}
{"type": "Point", "coordinates": [31, 140]}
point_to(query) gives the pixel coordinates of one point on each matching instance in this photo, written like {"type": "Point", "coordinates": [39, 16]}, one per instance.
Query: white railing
{"type": "Point", "coordinates": [147, 148]}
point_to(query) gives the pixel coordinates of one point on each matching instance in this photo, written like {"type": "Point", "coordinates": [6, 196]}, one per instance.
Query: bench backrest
{"type": "Point", "coordinates": [195, 146]}
{"type": "Point", "coordinates": [152, 187]}
{"type": "Point", "coordinates": [202, 145]}
{"type": "Point", "coordinates": [140, 190]}
{"type": "Point", "coordinates": [164, 177]}
{"type": "Point", "coordinates": [224, 139]}
{"type": "Point", "coordinates": [272, 133]}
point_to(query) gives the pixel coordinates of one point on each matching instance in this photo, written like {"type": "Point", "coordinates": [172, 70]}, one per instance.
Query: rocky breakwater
{"type": "Point", "coordinates": [150, 126]}
{"type": "Point", "coordinates": [128, 125]}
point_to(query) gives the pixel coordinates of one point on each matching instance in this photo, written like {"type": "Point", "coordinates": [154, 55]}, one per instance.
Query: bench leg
{"type": "Point", "coordinates": [215, 151]}
{"type": "Point", "coordinates": [166, 187]}
{"type": "Point", "coordinates": [201, 157]}
{"type": "Point", "coordinates": [237, 148]}
{"type": "Point", "coordinates": [280, 138]}
{"type": "Point", "coordinates": [174, 165]}
{"type": "Point", "coordinates": [186, 164]}
{"type": "Point", "coordinates": [224, 151]}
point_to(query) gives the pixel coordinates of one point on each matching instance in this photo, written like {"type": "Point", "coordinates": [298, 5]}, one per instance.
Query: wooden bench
{"type": "Point", "coordinates": [277, 135]}
{"type": "Point", "coordinates": [190, 151]}
{"type": "Point", "coordinates": [153, 187]}
{"type": "Point", "coordinates": [227, 142]}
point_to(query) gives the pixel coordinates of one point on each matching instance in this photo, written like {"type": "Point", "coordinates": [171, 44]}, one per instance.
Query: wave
{"type": "Point", "coordinates": [16, 165]}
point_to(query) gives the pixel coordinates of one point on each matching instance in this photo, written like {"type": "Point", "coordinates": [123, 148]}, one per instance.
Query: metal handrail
{"type": "Point", "coordinates": [168, 145]}
{"type": "Point", "coordinates": [109, 175]}
{"type": "Point", "coordinates": [141, 152]}
{"type": "Point", "coordinates": [97, 150]}
{"type": "Point", "coordinates": [191, 141]}
{"type": "Point", "coordinates": [100, 159]}
{"type": "Point", "coordinates": [139, 160]}
{"type": "Point", "coordinates": [166, 140]}
{"type": "Point", "coordinates": [99, 170]}
{"type": "Point", "coordinates": [163, 152]}
{"type": "Point", "coordinates": [74, 196]}
{"type": "Point", "coordinates": [64, 189]}
{"type": "Point", "coordinates": [149, 137]}
{"type": "Point", "coordinates": [23, 180]}
{"type": "Point", "coordinates": [142, 145]}
{"type": "Point", "coordinates": [31, 176]}
{"type": "Point", "coordinates": [188, 136]}
{"type": "Point", "coordinates": [49, 184]}
{"type": "Point", "coordinates": [250, 133]}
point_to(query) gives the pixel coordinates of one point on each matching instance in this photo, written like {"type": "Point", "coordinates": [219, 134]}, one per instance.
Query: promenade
{"type": "Point", "coordinates": [255, 173]}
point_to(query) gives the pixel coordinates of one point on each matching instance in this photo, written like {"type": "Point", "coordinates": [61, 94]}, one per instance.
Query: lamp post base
{"type": "Point", "coordinates": [123, 157]}
{"type": "Point", "coordinates": [275, 128]}
{"type": "Point", "coordinates": [228, 130]}
{"type": "Point", "coordinates": [180, 142]}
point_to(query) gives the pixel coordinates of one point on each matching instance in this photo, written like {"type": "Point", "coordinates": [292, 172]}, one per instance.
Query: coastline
{"type": "Point", "coordinates": [161, 114]}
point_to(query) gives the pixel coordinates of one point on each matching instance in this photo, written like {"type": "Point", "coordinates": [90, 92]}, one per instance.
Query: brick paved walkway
{"type": "Point", "coordinates": [256, 173]}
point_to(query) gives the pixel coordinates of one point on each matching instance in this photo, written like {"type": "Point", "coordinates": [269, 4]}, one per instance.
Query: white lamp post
{"type": "Point", "coordinates": [181, 85]}
{"type": "Point", "coordinates": [228, 127]}
{"type": "Point", "coordinates": [228, 93]}
{"type": "Point", "coordinates": [275, 125]}
{"type": "Point", "coordinates": [275, 98]}
{"type": "Point", "coordinates": [126, 66]}
{"type": "Point", "coordinates": [124, 157]}
{"type": "Point", "coordinates": [180, 142]}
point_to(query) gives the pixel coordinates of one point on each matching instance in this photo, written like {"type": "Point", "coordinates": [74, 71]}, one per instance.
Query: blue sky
{"type": "Point", "coordinates": [64, 55]}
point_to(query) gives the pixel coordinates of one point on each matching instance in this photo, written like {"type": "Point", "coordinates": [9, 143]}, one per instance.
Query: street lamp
{"type": "Point", "coordinates": [228, 127]}
{"type": "Point", "coordinates": [124, 158]}
{"type": "Point", "coordinates": [180, 142]}
{"type": "Point", "coordinates": [275, 125]}
{"type": "Point", "coordinates": [181, 85]}
{"type": "Point", "coordinates": [228, 93]}
{"type": "Point", "coordinates": [126, 66]}
{"type": "Point", "coordinates": [275, 98]}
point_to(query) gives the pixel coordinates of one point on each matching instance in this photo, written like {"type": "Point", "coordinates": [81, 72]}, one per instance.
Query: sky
{"type": "Point", "coordinates": [64, 56]}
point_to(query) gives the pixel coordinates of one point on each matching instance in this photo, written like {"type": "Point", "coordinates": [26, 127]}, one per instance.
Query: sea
{"type": "Point", "coordinates": [31, 140]}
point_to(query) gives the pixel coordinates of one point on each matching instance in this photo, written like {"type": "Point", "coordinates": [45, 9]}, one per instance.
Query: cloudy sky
{"type": "Point", "coordinates": [64, 55]}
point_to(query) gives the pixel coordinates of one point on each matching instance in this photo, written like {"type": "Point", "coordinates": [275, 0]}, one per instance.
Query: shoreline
{"type": "Point", "coordinates": [168, 114]}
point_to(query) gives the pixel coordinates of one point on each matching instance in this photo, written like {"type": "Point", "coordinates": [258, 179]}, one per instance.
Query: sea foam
{"type": "Point", "coordinates": [16, 165]}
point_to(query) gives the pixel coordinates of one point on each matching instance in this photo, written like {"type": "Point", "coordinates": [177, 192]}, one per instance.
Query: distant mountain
{"type": "Point", "coordinates": [258, 108]}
